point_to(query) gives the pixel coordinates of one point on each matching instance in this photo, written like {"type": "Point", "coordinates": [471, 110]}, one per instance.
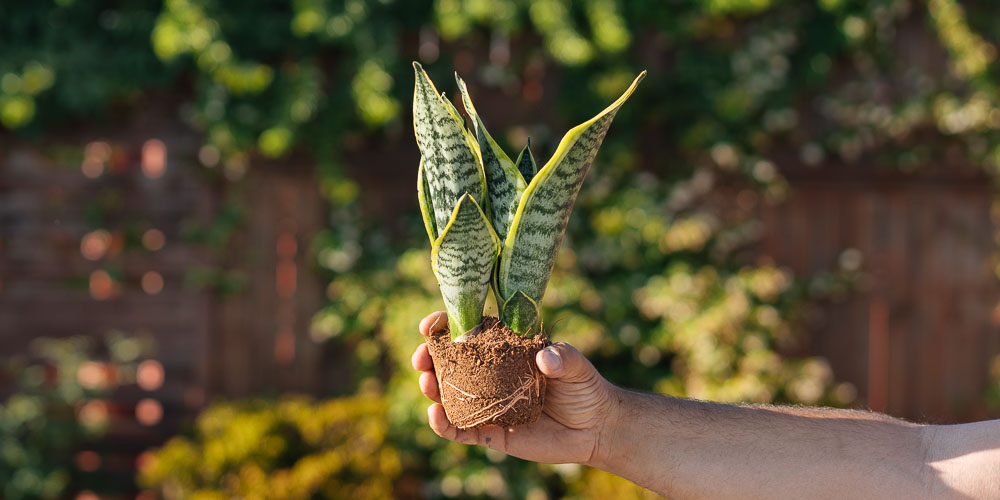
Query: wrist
{"type": "Point", "coordinates": [608, 432]}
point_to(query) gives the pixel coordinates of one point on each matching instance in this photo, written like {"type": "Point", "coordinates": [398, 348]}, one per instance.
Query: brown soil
{"type": "Point", "coordinates": [490, 379]}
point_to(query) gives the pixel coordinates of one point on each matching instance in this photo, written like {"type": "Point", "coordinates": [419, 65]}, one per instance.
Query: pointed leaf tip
{"type": "Point", "coordinates": [539, 224]}
{"type": "Point", "coordinates": [451, 158]}
{"type": "Point", "coordinates": [504, 183]}
{"type": "Point", "coordinates": [526, 163]}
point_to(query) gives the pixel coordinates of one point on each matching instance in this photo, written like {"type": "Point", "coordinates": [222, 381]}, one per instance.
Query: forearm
{"type": "Point", "coordinates": [691, 449]}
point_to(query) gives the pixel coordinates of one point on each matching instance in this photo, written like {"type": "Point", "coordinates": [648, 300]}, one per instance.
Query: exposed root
{"type": "Point", "coordinates": [521, 393]}
{"type": "Point", "coordinates": [473, 396]}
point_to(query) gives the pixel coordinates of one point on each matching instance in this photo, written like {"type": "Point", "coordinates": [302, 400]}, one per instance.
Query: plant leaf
{"type": "Point", "coordinates": [462, 259]}
{"type": "Point", "coordinates": [504, 183]}
{"type": "Point", "coordinates": [520, 313]}
{"type": "Point", "coordinates": [452, 165]}
{"type": "Point", "coordinates": [529, 251]}
{"type": "Point", "coordinates": [424, 200]}
{"type": "Point", "coordinates": [526, 162]}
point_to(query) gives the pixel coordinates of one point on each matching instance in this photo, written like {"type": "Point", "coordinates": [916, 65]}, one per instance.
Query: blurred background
{"type": "Point", "coordinates": [212, 263]}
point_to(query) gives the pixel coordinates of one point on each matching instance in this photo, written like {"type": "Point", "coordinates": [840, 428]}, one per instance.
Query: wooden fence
{"type": "Point", "coordinates": [919, 333]}
{"type": "Point", "coordinates": [107, 232]}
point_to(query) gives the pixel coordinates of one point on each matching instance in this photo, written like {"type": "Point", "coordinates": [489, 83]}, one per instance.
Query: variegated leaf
{"type": "Point", "coordinates": [452, 165]}
{"type": "Point", "coordinates": [520, 313]}
{"type": "Point", "coordinates": [504, 183]}
{"type": "Point", "coordinates": [424, 200]}
{"type": "Point", "coordinates": [453, 110]}
{"type": "Point", "coordinates": [529, 251]}
{"type": "Point", "coordinates": [462, 259]}
{"type": "Point", "coordinates": [526, 163]}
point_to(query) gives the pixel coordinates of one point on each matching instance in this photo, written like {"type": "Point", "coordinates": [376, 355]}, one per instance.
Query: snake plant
{"type": "Point", "coordinates": [493, 221]}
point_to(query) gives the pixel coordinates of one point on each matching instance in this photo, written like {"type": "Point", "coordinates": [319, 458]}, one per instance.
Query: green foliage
{"type": "Point", "coordinates": [270, 77]}
{"type": "Point", "coordinates": [57, 410]}
{"type": "Point", "coordinates": [287, 449]}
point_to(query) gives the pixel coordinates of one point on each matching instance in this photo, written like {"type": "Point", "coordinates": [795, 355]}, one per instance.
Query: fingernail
{"type": "Point", "coordinates": [552, 359]}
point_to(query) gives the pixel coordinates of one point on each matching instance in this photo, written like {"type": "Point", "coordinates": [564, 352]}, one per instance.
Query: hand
{"type": "Point", "coordinates": [577, 403]}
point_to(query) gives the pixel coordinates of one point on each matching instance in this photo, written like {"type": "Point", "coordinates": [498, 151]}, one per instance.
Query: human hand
{"type": "Point", "coordinates": [578, 400]}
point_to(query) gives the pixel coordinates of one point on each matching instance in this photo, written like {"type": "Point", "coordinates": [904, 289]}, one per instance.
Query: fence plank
{"type": "Point", "coordinates": [927, 243]}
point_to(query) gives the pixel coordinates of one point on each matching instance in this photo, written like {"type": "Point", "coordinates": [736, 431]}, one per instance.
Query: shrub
{"type": "Point", "coordinates": [286, 449]}
{"type": "Point", "coordinates": [57, 411]}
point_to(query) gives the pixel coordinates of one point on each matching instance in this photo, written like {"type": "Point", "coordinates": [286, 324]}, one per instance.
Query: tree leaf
{"type": "Point", "coordinates": [424, 200]}
{"type": "Point", "coordinates": [462, 259]}
{"type": "Point", "coordinates": [526, 162]}
{"type": "Point", "coordinates": [504, 183]}
{"type": "Point", "coordinates": [520, 313]}
{"type": "Point", "coordinates": [529, 251]}
{"type": "Point", "coordinates": [452, 165]}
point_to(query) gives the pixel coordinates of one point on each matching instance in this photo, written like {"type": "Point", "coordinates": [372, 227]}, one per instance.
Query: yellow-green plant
{"type": "Point", "coordinates": [491, 219]}
{"type": "Point", "coordinates": [292, 448]}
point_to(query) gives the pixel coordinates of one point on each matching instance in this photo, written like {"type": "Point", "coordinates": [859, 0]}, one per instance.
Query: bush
{"type": "Point", "coordinates": [286, 449]}
{"type": "Point", "coordinates": [58, 410]}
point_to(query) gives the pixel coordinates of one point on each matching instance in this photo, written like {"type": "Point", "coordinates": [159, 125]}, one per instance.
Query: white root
{"type": "Point", "coordinates": [473, 396]}
{"type": "Point", "coordinates": [517, 395]}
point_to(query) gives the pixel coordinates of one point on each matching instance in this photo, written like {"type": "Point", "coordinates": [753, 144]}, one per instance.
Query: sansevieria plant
{"type": "Point", "coordinates": [493, 221]}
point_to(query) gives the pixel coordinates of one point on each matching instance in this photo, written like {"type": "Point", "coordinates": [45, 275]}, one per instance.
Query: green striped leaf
{"type": "Point", "coordinates": [526, 163]}
{"type": "Point", "coordinates": [520, 313]}
{"type": "Point", "coordinates": [529, 250]}
{"type": "Point", "coordinates": [451, 161]}
{"type": "Point", "coordinates": [503, 182]}
{"type": "Point", "coordinates": [424, 200]}
{"type": "Point", "coordinates": [462, 259]}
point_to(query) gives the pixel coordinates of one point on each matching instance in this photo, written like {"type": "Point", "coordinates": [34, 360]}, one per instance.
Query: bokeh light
{"type": "Point", "coordinates": [95, 156]}
{"type": "Point", "coordinates": [209, 155]}
{"type": "Point", "coordinates": [148, 411]}
{"type": "Point", "coordinates": [150, 375]}
{"type": "Point", "coordinates": [102, 286]}
{"type": "Point", "coordinates": [95, 244]}
{"type": "Point", "coordinates": [152, 282]}
{"type": "Point", "coordinates": [93, 413]}
{"type": "Point", "coordinates": [153, 239]}
{"type": "Point", "coordinates": [95, 375]}
{"type": "Point", "coordinates": [154, 158]}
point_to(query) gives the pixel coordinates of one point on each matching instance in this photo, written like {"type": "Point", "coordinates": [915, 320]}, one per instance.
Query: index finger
{"type": "Point", "coordinates": [421, 359]}
{"type": "Point", "coordinates": [435, 322]}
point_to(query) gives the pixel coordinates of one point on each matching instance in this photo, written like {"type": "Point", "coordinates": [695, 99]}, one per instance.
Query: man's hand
{"type": "Point", "coordinates": [577, 402]}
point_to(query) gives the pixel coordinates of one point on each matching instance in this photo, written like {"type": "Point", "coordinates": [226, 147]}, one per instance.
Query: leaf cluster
{"type": "Point", "coordinates": [515, 240]}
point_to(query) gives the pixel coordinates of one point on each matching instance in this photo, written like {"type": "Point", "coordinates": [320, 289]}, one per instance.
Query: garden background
{"type": "Point", "coordinates": [212, 264]}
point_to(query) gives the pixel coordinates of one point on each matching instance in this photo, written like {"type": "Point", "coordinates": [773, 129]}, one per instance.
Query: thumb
{"type": "Point", "coordinates": [562, 361]}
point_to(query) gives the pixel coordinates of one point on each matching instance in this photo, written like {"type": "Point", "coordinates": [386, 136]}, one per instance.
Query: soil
{"type": "Point", "coordinates": [491, 378]}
